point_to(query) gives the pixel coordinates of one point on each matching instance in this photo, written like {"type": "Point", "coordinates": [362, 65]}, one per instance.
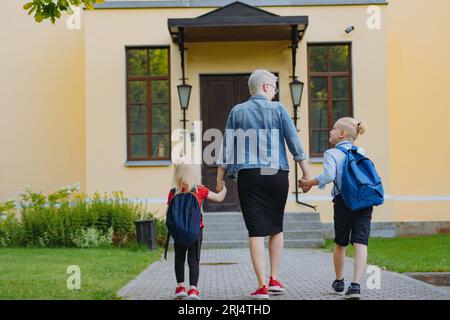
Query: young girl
{"type": "Point", "coordinates": [349, 226]}
{"type": "Point", "coordinates": [185, 179]}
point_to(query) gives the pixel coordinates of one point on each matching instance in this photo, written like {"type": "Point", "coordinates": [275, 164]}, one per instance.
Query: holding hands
{"type": "Point", "coordinates": [302, 183]}
{"type": "Point", "coordinates": [220, 185]}
{"type": "Point", "coordinates": [221, 192]}
{"type": "Point", "coordinates": [306, 183]}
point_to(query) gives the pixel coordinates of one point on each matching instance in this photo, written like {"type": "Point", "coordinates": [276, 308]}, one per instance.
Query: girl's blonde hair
{"type": "Point", "coordinates": [352, 127]}
{"type": "Point", "coordinates": [185, 176]}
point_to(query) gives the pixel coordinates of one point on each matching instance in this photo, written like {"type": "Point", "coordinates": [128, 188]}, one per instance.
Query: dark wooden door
{"type": "Point", "coordinates": [218, 95]}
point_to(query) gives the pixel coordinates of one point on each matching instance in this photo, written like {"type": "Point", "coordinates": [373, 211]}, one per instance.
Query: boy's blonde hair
{"type": "Point", "coordinates": [352, 127]}
{"type": "Point", "coordinates": [185, 175]}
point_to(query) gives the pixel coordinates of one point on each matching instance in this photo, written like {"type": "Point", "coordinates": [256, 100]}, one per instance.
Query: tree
{"type": "Point", "coordinates": [52, 9]}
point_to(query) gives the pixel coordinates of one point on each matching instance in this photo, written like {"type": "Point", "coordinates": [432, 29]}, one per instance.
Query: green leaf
{"type": "Point", "coordinates": [28, 5]}
{"type": "Point", "coordinates": [38, 17]}
{"type": "Point", "coordinates": [32, 10]}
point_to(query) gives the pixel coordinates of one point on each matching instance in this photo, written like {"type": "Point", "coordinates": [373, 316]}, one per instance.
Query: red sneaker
{"type": "Point", "coordinates": [180, 292]}
{"type": "Point", "coordinates": [261, 293]}
{"type": "Point", "coordinates": [193, 294]}
{"type": "Point", "coordinates": [276, 287]}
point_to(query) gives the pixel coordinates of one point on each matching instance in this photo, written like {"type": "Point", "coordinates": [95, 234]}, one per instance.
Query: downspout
{"type": "Point", "coordinates": [294, 47]}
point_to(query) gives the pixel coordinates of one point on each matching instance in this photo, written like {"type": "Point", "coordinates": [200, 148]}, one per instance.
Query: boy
{"type": "Point", "coordinates": [349, 226]}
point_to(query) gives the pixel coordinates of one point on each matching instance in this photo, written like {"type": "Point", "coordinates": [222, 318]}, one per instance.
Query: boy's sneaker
{"type": "Point", "coordinates": [338, 287]}
{"type": "Point", "coordinates": [276, 287]}
{"type": "Point", "coordinates": [193, 294]}
{"type": "Point", "coordinates": [353, 291]}
{"type": "Point", "coordinates": [180, 292]}
{"type": "Point", "coordinates": [262, 293]}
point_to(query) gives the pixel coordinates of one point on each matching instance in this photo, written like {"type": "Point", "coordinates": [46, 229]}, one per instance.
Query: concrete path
{"type": "Point", "coordinates": [306, 274]}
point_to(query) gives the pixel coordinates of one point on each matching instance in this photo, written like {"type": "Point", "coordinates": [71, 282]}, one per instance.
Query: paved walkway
{"type": "Point", "coordinates": [306, 274]}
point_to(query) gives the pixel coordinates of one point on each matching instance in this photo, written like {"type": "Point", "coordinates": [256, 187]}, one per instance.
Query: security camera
{"type": "Point", "coordinates": [349, 29]}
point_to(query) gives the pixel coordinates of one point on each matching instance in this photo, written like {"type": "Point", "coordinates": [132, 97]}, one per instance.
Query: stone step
{"type": "Point", "coordinates": [235, 217]}
{"type": "Point", "coordinates": [227, 230]}
{"type": "Point", "coordinates": [240, 226]}
{"type": "Point", "coordinates": [243, 235]}
{"type": "Point", "coordinates": [310, 243]}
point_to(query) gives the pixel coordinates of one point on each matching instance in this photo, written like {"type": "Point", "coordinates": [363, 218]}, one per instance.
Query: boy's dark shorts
{"type": "Point", "coordinates": [353, 226]}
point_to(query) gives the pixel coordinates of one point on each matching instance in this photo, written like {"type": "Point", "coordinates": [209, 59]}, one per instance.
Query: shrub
{"type": "Point", "coordinates": [161, 231]}
{"type": "Point", "coordinates": [91, 237]}
{"type": "Point", "coordinates": [10, 229]}
{"type": "Point", "coordinates": [70, 218]}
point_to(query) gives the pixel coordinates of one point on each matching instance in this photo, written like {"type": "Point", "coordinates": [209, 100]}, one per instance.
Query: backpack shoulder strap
{"type": "Point", "coordinates": [345, 151]}
{"type": "Point", "coordinates": [193, 191]}
{"type": "Point", "coordinates": [342, 149]}
{"type": "Point", "coordinates": [335, 184]}
{"type": "Point", "coordinates": [353, 148]}
{"type": "Point", "coordinates": [174, 192]}
{"type": "Point", "coordinates": [167, 245]}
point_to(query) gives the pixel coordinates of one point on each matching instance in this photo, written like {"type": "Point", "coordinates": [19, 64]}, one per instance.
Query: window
{"type": "Point", "coordinates": [148, 103]}
{"type": "Point", "coordinates": [330, 91]}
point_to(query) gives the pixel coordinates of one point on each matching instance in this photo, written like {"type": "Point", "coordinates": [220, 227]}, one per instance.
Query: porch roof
{"type": "Point", "coordinates": [237, 22]}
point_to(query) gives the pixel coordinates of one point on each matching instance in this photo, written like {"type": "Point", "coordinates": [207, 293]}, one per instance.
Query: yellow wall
{"type": "Point", "coordinates": [419, 101]}
{"type": "Point", "coordinates": [41, 103]}
{"type": "Point", "coordinates": [108, 31]}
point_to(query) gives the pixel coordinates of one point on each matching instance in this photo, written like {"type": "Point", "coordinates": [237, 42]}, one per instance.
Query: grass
{"type": "Point", "coordinates": [407, 254]}
{"type": "Point", "coordinates": [33, 273]}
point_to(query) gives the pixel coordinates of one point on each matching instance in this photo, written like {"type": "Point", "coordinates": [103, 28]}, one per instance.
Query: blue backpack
{"type": "Point", "coordinates": [183, 219]}
{"type": "Point", "coordinates": [361, 185]}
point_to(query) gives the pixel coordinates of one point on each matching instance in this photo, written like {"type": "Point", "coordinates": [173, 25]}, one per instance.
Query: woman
{"type": "Point", "coordinates": [261, 168]}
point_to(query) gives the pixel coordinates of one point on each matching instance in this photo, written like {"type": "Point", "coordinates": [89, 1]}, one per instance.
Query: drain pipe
{"type": "Point", "coordinates": [294, 46]}
{"type": "Point", "coordinates": [296, 177]}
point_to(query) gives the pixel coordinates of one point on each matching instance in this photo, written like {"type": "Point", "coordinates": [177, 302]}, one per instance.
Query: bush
{"type": "Point", "coordinates": [10, 229]}
{"type": "Point", "coordinates": [161, 231]}
{"type": "Point", "coordinates": [91, 237]}
{"type": "Point", "coordinates": [69, 218]}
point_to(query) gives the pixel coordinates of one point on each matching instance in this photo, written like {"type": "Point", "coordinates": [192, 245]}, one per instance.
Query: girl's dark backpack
{"type": "Point", "coordinates": [183, 219]}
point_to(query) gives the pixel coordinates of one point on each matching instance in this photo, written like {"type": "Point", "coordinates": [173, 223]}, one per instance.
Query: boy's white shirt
{"type": "Point", "coordinates": [333, 163]}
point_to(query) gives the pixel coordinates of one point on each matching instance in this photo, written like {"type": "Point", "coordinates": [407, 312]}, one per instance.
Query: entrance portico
{"type": "Point", "coordinates": [219, 92]}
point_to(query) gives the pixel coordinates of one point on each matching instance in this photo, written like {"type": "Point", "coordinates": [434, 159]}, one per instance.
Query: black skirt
{"type": "Point", "coordinates": [263, 199]}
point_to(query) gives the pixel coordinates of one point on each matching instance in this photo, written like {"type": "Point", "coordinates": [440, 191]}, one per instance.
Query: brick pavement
{"type": "Point", "coordinates": [306, 274]}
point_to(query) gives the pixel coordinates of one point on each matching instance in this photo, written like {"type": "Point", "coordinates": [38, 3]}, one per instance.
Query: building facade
{"type": "Point", "coordinates": [97, 105]}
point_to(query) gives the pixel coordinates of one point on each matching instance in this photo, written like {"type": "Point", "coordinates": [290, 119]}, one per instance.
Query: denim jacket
{"type": "Point", "coordinates": [255, 136]}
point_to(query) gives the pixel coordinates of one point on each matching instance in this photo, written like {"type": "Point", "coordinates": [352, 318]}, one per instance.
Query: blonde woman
{"type": "Point", "coordinates": [263, 185]}
{"type": "Point", "coordinates": [185, 180]}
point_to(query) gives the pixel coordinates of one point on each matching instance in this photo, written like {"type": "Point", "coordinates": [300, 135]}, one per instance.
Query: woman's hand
{"type": "Point", "coordinates": [220, 185]}
{"type": "Point", "coordinates": [306, 176]}
{"type": "Point", "coordinates": [303, 183]}
{"type": "Point", "coordinates": [219, 179]}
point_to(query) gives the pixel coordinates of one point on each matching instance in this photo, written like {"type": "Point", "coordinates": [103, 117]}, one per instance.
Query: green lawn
{"type": "Point", "coordinates": [28, 273]}
{"type": "Point", "coordinates": [407, 254]}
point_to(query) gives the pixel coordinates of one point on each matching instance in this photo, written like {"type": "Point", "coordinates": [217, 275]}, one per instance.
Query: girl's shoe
{"type": "Point", "coordinates": [193, 294]}
{"type": "Point", "coordinates": [262, 293]}
{"type": "Point", "coordinates": [180, 292]}
{"type": "Point", "coordinates": [276, 287]}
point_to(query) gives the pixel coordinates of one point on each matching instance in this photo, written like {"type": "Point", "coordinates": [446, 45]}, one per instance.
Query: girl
{"type": "Point", "coordinates": [185, 180]}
